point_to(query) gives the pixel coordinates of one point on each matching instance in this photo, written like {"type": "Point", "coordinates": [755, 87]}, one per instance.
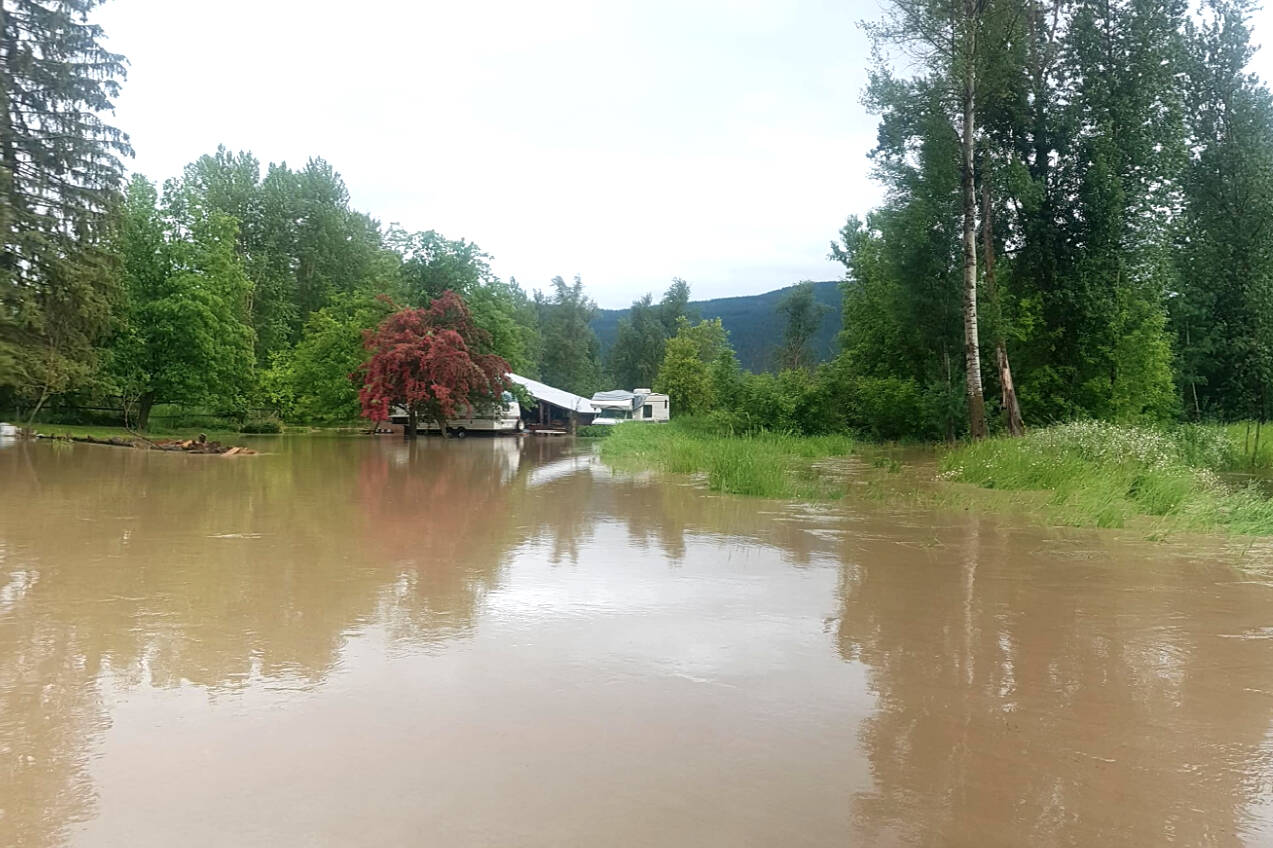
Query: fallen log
{"type": "Point", "coordinates": [200, 446]}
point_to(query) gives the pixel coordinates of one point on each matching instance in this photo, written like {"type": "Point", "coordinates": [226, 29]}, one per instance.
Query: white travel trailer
{"type": "Point", "coordinates": [638, 405]}
{"type": "Point", "coordinates": [506, 419]}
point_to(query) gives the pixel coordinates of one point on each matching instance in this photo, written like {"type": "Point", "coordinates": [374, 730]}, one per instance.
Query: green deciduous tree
{"type": "Point", "coordinates": [1223, 306]}
{"type": "Point", "coordinates": [641, 335]}
{"type": "Point", "coordinates": [954, 42]}
{"type": "Point", "coordinates": [183, 331]}
{"type": "Point", "coordinates": [1124, 154]}
{"type": "Point", "coordinates": [695, 367]}
{"type": "Point", "coordinates": [432, 264]}
{"type": "Point", "coordinates": [571, 356]}
{"type": "Point", "coordinates": [802, 315]}
{"type": "Point", "coordinates": [1078, 146]}
{"type": "Point", "coordinates": [314, 382]}
{"type": "Point", "coordinates": [299, 240]}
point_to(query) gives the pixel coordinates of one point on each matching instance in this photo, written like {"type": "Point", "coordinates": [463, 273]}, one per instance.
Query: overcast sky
{"type": "Point", "coordinates": [629, 142]}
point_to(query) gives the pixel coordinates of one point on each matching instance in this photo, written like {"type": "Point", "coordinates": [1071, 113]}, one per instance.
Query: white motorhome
{"type": "Point", "coordinates": [637, 405]}
{"type": "Point", "coordinates": [506, 419]}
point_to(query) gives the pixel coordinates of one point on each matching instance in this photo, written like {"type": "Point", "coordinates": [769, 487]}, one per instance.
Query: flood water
{"type": "Point", "coordinates": [497, 642]}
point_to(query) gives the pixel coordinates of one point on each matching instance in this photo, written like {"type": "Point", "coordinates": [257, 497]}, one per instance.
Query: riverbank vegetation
{"type": "Point", "coordinates": [1098, 474]}
{"type": "Point", "coordinates": [763, 464]}
{"type": "Point", "coordinates": [1085, 474]}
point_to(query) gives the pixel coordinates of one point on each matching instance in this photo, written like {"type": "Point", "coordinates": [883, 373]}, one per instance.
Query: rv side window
{"type": "Point", "coordinates": [648, 410]}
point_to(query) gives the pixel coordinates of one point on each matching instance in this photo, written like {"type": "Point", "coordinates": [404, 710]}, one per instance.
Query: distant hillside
{"type": "Point", "coordinates": [755, 329]}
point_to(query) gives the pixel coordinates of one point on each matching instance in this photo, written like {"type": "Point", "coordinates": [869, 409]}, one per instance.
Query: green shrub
{"type": "Point", "coordinates": [596, 431]}
{"type": "Point", "coordinates": [887, 408]}
{"type": "Point", "coordinates": [261, 426]}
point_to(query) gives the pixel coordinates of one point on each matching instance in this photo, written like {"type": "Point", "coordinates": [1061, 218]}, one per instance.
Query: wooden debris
{"type": "Point", "coordinates": [200, 446]}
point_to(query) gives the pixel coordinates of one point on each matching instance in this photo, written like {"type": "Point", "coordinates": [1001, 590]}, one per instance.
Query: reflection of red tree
{"type": "Point", "coordinates": [439, 513]}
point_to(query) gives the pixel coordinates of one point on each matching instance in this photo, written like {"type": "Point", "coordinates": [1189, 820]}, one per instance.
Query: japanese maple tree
{"type": "Point", "coordinates": [428, 362]}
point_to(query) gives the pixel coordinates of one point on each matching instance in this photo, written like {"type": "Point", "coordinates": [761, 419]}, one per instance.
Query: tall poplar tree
{"type": "Point", "coordinates": [571, 353]}
{"type": "Point", "coordinates": [643, 334]}
{"type": "Point", "coordinates": [802, 315]}
{"type": "Point", "coordinates": [1223, 308]}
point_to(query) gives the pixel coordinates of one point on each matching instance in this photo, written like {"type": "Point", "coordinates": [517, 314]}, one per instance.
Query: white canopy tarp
{"type": "Point", "coordinates": [618, 399]}
{"type": "Point", "coordinates": [557, 397]}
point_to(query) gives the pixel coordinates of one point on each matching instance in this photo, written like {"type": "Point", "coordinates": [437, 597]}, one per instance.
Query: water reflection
{"type": "Point", "coordinates": [1060, 691]}
{"type": "Point", "coordinates": [609, 645]}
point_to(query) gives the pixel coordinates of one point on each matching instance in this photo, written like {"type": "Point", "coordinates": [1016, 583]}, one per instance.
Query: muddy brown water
{"type": "Point", "coordinates": [494, 642]}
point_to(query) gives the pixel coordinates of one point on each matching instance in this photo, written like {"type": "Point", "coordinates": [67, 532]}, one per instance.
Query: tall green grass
{"type": "Point", "coordinates": [770, 465]}
{"type": "Point", "coordinates": [1104, 475]}
{"type": "Point", "coordinates": [1253, 443]}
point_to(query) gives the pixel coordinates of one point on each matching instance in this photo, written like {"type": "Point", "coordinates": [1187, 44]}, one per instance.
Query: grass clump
{"type": "Point", "coordinates": [595, 431]}
{"type": "Point", "coordinates": [770, 465]}
{"type": "Point", "coordinates": [1105, 475]}
{"type": "Point", "coordinates": [1252, 443]}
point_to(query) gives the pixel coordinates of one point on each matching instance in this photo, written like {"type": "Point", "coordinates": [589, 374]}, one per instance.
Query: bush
{"type": "Point", "coordinates": [887, 408]}
{"type": "Point", "coordinates": [268, 425]}
{"type": "Point", "coordinates": [791, 402]}
{"type": "Point", "coordinates": [595, 431]}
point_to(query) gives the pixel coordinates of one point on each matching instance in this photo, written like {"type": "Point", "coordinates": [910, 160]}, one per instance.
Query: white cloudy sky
{"type": "Point", "coordinates": [628, 141]}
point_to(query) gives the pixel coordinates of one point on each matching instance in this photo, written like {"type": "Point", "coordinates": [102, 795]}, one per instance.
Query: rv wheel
{"type": "Point", "coordinates": [460, 432]}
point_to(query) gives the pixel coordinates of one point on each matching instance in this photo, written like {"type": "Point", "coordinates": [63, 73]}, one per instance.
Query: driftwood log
{"type": "Point", "coordinates": [200, 445]}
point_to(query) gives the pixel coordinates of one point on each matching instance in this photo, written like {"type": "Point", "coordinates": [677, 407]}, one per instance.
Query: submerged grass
{"type": "Point", "coordinates": [1106, 475]}
{"type": "Point", "coordinates": [770, 465]}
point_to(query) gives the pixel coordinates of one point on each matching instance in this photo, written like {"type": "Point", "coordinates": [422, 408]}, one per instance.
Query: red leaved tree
{"type": "Point", "coordinates": [427, 362]}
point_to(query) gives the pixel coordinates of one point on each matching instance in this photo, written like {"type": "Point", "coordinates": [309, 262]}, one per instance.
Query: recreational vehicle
{"type": "Point", "coordinates": [506, 419]}
{"type": "Point", "coordinates": [638, 405]}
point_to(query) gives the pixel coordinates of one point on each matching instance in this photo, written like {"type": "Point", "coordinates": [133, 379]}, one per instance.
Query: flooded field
{"type": "Point", "coordinates": [493, 642]}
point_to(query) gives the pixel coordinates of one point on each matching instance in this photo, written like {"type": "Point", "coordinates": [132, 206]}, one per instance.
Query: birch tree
{"type": "Point", "coordinates": [948, 39]}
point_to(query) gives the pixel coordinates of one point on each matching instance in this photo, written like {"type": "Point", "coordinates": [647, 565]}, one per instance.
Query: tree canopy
{"type": "Point", "coordinates": [425, 360]}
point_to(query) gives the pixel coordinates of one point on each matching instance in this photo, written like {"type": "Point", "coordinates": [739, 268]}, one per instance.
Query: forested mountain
{"type": "Point", "coordinates": [753, 324]}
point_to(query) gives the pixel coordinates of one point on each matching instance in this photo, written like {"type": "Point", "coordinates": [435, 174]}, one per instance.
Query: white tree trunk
{"type": "Point", "coordinates": [972, 342]}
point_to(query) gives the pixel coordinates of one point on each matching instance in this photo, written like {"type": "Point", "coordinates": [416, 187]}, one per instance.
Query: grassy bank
{"type": "Point", "coordinates": [1106, 475]}
{"type": "Point", "coordinates": [765, 465]}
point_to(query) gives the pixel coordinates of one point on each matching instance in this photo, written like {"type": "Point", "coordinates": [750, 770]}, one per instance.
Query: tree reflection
{"type": "Point", "coordinates": [159, 570]}
{"type": "Point", "coordinates": [166, 571]}
{"type": "Point", "coordinates": [439, 521]}
{"type": "Point", "coordinates": [1025, 697]}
